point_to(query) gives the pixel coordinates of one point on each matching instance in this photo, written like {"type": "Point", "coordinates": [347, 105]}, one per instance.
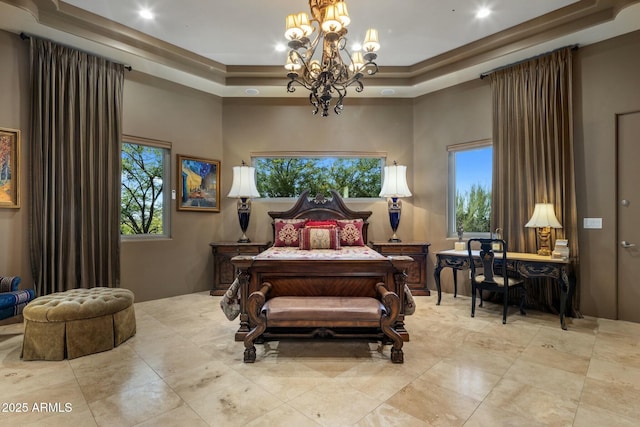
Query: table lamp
{"type": "Point", "coordinates": [394, 185]}
{"type": "Point", "coordinates": [244, 188]}
{"type": "Point", "coordinates": [543, 218]}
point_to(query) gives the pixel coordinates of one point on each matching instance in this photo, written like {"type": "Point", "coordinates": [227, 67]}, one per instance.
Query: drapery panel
{"type": "Point", "coordinates": [534, 158]}
{"type": "Point", "coordinates": [76, 128]}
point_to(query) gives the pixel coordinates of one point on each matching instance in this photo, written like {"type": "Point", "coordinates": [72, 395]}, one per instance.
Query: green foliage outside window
{"type": "Point", "coordinates": [290, 176]}
{"type": "Point", "coordinates": [473, 209]}
{"type": "Point", "coordinates": [141, 210]}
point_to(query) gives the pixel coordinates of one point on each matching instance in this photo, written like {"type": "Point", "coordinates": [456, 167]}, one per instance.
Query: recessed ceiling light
{"type": "Point", "coordinates": [145, 13]}
{"type": "Point", "coordinates": [483, 12]}
{"type": "Point", "coordinates": [252, 91]}
{"type": "Point", "coordinates": [280, 47]}
{"type": "Point", "coordinates": [387, 92]}
{"type": "Point", "coordinates": [356, 47]}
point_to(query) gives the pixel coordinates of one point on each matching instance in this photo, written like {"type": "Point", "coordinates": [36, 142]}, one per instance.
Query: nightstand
{"type": "Point", "coordinates": [223, 271]}
{"type": "Point", "coordinates": [417, 272]}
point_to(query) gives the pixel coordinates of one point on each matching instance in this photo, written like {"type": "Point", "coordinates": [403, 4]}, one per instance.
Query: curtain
{"type": "Point", "coordinates": [534, 160]}
{"type": "Point", "coordinates": [76, 127]}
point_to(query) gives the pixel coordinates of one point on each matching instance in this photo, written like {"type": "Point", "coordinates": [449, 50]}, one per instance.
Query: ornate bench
{"type": "Point", "coordinates": [77, 322]}
{"type": "Point", "coordinates": [339, 316]}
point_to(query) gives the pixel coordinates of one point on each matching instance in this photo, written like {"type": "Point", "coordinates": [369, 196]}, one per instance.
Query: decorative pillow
{"type": "Point", "coordinates": [9, 283]}
{"type": "Point", "coordinates": [287, 231]}
{"type": "Point", "coordinates": [312, 223]}
{"type": "Point", "coordinates": [351, 232]}
{"type": "Point", "coordinates": [319, 238]}
{"type": "Point", "coordinates": [409, 302]}
{"type": "Point", "coordinates": [230, 302]}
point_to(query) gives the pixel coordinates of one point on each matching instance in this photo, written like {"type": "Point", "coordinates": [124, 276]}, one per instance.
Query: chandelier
{"type": "Point", "coordinates": [327, 74]}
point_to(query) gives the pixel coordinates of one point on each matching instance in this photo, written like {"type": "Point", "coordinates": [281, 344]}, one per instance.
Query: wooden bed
{"type": "Point", "coordinates": [321, 278]}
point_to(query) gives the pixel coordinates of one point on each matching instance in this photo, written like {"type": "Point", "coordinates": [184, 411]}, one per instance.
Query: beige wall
{"type": "Point", "coordinates": [192, 122]}
{"type": "Point", "coordinates": [451, 116]}
{"type": "Point", "coordinates": [14, 114]}
{"type": "Point", "coordinates": [607, 83]}
{"type": "Point", "coordinates": [153, 108]}
{"type": "Point", "coordinates": [413, 132]}
{"type": "Point", "coordinates": [288, 125]}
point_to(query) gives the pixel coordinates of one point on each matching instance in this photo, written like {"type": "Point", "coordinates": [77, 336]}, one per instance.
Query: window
{"type": "Point", "coordinates": [144, 202]}
{"type": "Point", "coordinates": [469, 195]}
{"type": "Point", "coordinates": [288, 175]}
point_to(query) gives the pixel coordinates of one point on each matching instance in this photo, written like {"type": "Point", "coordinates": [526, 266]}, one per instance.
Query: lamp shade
{"type": "Point", "coordinates": [394, 183]}
{"type": "Point", "coordinates": [543, 216]}
{"type": "Point", "coordinates": [371, 43]}
{"type": "Point", "coordinates": [244, 182]}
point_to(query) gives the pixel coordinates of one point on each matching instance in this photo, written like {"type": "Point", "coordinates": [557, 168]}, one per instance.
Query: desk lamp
{"type": "Point", "coordinates": [394, 186]}
{"type": "Point", "coordinates": [543, 218]}
{"type": "Point", "coordinates": [244, 188]}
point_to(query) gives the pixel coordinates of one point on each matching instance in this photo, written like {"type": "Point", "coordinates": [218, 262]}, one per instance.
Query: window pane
{"type": "Point", "coordinates": [143, 208]}
{"type": "Point", "coordinates": [290, 176]}
{"type": "Point", "coordinates": [470, 178]}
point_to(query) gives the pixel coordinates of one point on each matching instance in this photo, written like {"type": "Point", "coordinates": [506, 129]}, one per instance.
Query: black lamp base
{"type": "Point", "coordinates": [244, 213]}
{"type": "Point", "coordinates": [395, 208]}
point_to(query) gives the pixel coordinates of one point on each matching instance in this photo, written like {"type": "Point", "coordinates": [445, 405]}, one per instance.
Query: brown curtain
{"type": "Point", "coordinates": [76, 127]}
{"type": "Point", "coordinates": [533, 158]}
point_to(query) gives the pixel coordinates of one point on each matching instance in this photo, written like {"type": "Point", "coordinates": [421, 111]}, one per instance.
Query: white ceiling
{"type": "Point", "coordinates": [225, 47]}
{"type": "Point", "coordinates": [245, 32]}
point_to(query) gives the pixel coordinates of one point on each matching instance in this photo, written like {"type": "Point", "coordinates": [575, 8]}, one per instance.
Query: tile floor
{"type": "Point", "coordinates": [183, 368]}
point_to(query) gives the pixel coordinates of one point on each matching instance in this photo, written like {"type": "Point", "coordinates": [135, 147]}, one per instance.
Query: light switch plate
{"type": "Point", "coordinates": [593, 223]}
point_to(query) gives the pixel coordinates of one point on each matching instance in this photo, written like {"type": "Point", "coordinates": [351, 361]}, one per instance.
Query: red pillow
{"type": "Point", "coordinates": [319, 238]}
{"type": "Point", "coordinates": [321, 223]}
{"type": "Point", "coordinates": [351, 232]}
{"type": "Point", "coordinates": [287, 231]}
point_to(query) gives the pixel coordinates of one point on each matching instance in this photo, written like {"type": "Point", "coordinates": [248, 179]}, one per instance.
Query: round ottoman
{"type": "Point", "coordinates": [77, 322]}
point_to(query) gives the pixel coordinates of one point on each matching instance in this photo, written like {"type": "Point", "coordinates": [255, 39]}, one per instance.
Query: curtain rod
{"type": "Point", "coordinates": [24, 36]}
{"type": "Point", "coordinates": [487, 73]}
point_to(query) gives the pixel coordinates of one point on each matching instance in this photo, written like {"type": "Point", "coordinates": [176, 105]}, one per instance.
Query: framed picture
{"type": "Point", "coordinates": [198, 184]}
{"type": "Point", "coordinates": [9, 168]}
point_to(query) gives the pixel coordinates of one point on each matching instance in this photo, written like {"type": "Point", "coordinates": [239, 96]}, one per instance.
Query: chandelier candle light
{"type": "Point", "coordinates": [244, 188]}
{"type": "Point", "coordinates": [327, 74]}
{"type": "Point", "coordinates": [394, 186]}
{"type": "Point", "coordinates": [543, 218]}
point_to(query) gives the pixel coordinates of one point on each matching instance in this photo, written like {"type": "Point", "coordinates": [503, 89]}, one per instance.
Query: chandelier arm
{"type": "Point", "coordinates": [313, 100]}
{"type": "Point", "coordinates": [355, 78]}
{"type": "Point", "coordinates": [370, 71]}
{"type": "Point", "coordinates": [328, 77]}
{"type": "Point", "coordinates": [291, 88]}
{"type": "Point", "coordinates": [339, 107]}
{"type": "Point", "coordinates": [301, 59]}
{"type": "Point", "coordinates": [342, 92]}
{"type": "Point", "coordinates": [314, 43]}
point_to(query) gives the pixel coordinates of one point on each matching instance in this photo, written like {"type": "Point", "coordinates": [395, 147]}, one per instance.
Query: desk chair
{"type": "Point", "coordinates": [492, 277]}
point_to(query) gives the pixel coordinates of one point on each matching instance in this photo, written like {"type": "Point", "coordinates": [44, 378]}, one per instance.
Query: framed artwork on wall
{"type": "Point", "coordinates": [9, 168]}
{"type": "Point", "coordinates": [198, 184]}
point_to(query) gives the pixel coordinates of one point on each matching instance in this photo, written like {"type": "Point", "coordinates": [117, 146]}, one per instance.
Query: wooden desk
{"type": "Point", "coordinates": [523, 264]}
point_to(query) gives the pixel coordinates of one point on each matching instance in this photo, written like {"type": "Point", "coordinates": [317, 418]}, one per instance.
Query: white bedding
{"type": "Point", "coordinates": [346, 252]}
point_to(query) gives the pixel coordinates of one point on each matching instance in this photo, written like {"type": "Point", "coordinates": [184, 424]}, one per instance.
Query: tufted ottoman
{"type": "Point", "coordinates": [77, 322]}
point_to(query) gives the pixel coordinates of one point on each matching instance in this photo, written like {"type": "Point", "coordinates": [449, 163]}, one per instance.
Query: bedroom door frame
{"type": "Point", "coordinates": [628, 210]}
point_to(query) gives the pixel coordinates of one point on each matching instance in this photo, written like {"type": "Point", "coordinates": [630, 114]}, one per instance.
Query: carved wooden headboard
{"type": "Point", "coordinates": [320, 207]}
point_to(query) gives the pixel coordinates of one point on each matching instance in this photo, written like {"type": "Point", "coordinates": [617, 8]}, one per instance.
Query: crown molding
{"type": "Point", "coordinates": [68, 19]}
